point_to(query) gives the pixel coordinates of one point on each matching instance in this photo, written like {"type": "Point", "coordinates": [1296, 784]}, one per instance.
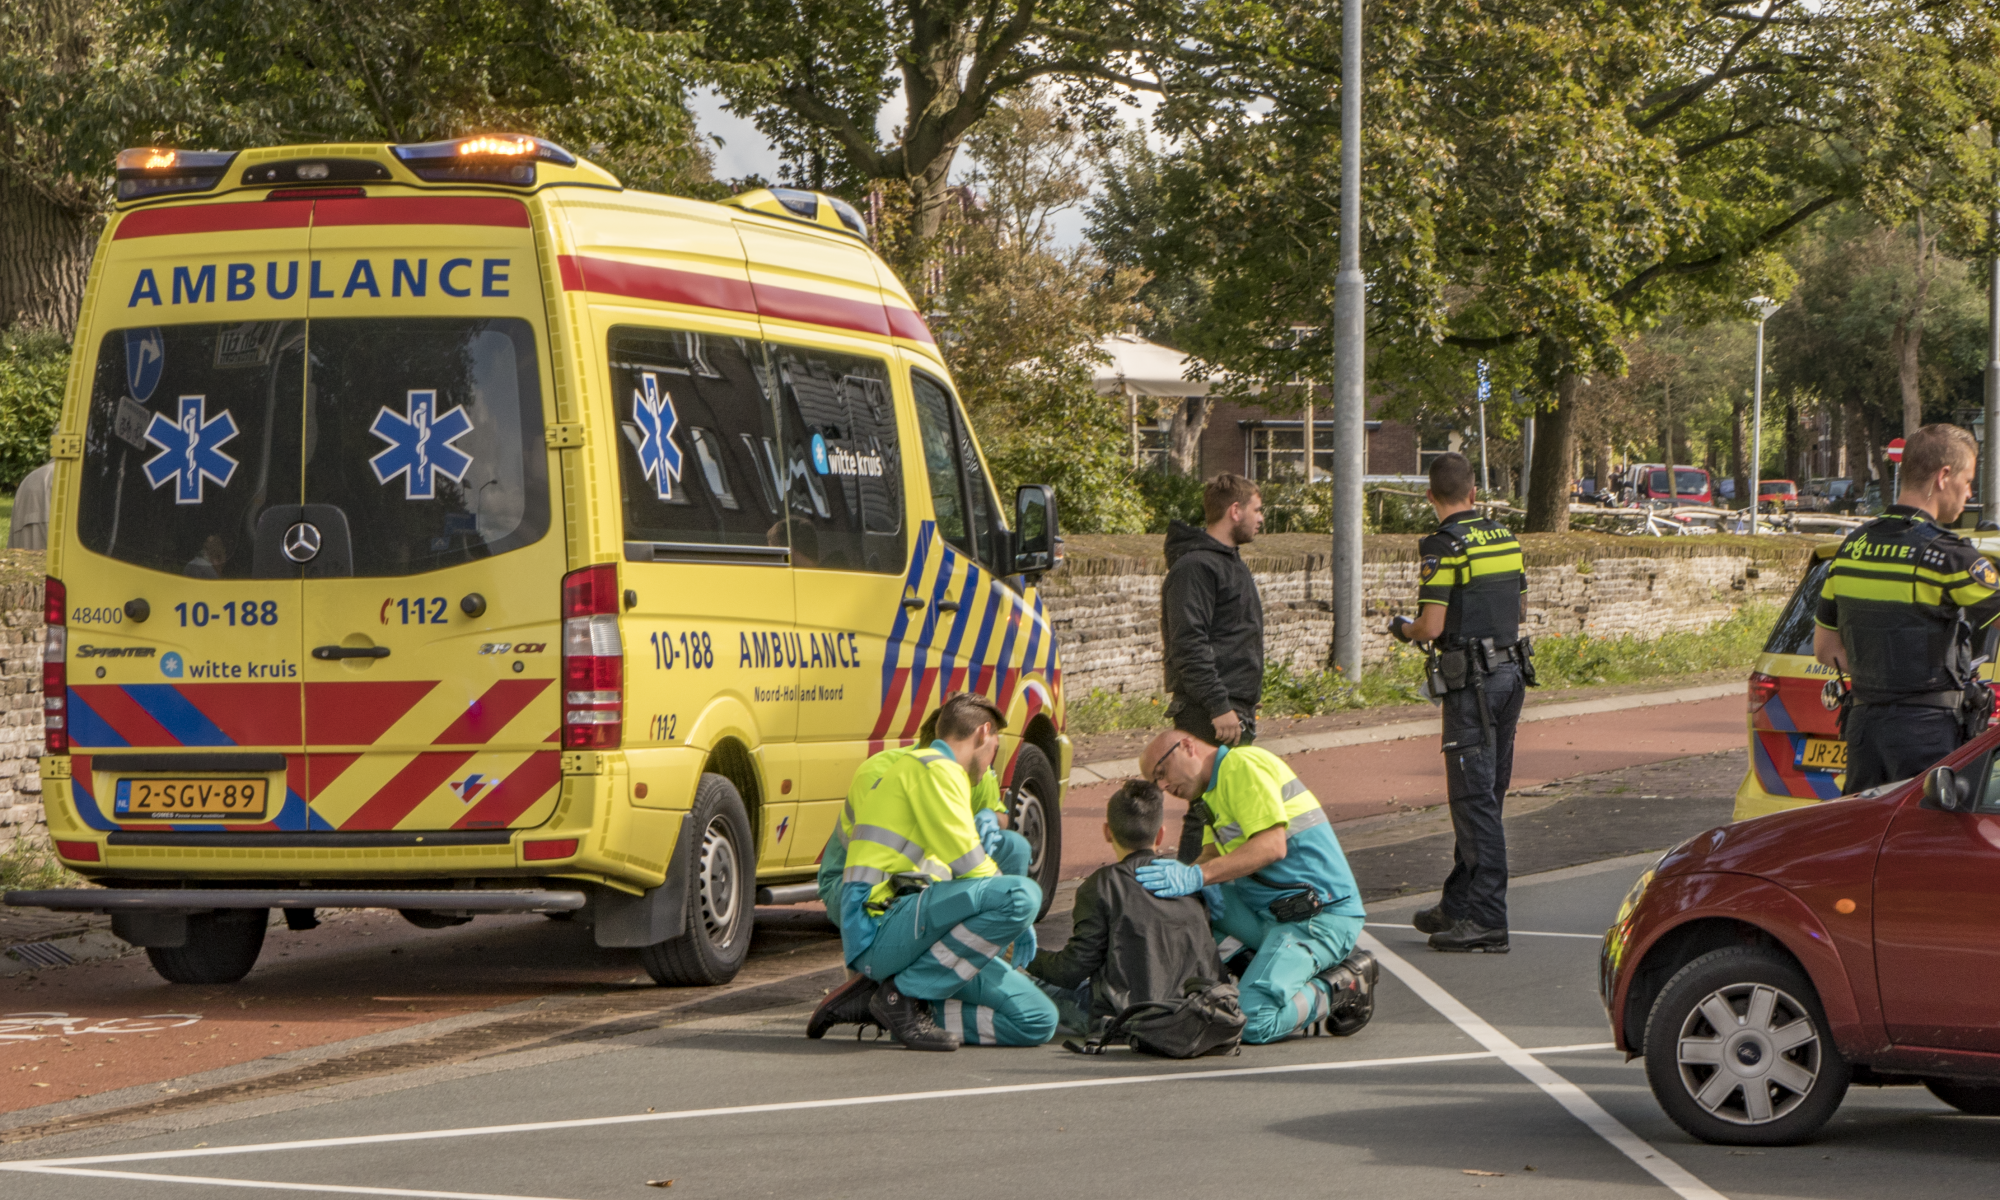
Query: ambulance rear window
{"type": "Point", "coordinates": [193, 432]}
{"type": "Point", "coordinates": [426, 433]}
{"type": "Point", "coordinates": [1793, 634]}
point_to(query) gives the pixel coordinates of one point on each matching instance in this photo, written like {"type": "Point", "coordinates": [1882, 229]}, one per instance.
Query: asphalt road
{"type": "Point", "coordinates": [1480, 1074]}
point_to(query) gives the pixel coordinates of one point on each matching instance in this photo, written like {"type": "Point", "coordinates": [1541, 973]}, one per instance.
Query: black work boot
{"type": "Point", "coordinates": [1431, 920]}
{"type": "Point", "coordinates": [844, 1005]}
{"type": "Point", "coordinates": [908, 1020]}
{"type": "Point", "coordinates": [1352, 983]}
{"type": "Point", "coordinates": [1464, 936]}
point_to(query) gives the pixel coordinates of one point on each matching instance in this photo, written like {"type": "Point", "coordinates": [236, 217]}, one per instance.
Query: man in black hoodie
{"type": "Point", "coordinates": [1212, 623]}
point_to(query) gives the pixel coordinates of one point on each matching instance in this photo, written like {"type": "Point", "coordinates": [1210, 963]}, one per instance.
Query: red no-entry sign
{"type": "Point", "coordinates": [1896, 451]}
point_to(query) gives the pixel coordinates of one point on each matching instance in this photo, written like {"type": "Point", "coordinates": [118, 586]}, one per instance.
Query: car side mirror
{"type": "Point", "coordinates": [1946, 792]}
{"type": "Point", "coordinates": [1036, 541]}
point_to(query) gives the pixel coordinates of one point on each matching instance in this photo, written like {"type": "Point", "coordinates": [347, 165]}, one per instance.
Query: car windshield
{"type": "Point", "coordinates": [1686, 482]}
{"type": "Point", "coordinates": [1793, 634]}
{"type": "Point", "coordinates": [1782, 488]}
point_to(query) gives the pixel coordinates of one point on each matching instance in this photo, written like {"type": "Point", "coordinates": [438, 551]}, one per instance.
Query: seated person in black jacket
{"type": "Point", "coordinates": [1127, 946]}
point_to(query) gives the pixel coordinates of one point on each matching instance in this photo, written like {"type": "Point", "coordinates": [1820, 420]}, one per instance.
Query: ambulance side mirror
{"type": "Point", "coordinates": [1036, 542]}
{"type": "Point", "coordinates": [1946, 792]}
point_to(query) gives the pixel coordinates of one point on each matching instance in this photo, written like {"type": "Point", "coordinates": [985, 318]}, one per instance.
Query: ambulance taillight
{"type": "Point", "coordinates": [150, 171]}
{"type": "Point", "coordinates": [55, 668]}
{"type": "Point", "coordinates": [593, 660]}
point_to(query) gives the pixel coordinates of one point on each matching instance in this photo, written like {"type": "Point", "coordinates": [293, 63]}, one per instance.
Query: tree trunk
{"type": "Point", "coordinates": [1184, 432]}
{"type": "Point", "coordinates": [1555, 447]}
{"type": "Point", "coordinates": [1856, 460]}
{"type": "Point", "coordinates": [1908, 336]}
{"type": "Point", "coordinates": [45, 253]}
{"type": "Point", "coordinates": [1738, 469]}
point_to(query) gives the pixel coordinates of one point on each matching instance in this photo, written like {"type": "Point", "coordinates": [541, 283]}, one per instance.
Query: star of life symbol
{"type": "Point", "coordinates": [653, 411]}
{"type": "Point", "coordinates": [190, 449]}
{"type": "Point", "coordinates": [474, 787]}
{"type": "Point", "coordinates": [420, 445]}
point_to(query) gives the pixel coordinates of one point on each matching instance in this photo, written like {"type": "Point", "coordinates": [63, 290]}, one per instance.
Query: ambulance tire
{"type": "Point", "coordinates": [722, 885]}
{"type": "Point", "coordinates": [221, 947]}
{"type": "Point", "coordinates": [1034, 809]}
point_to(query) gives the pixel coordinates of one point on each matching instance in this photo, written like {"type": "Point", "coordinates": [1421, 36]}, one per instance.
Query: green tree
{"type": "Point", "coordinates": [1021, 320]}
{"type": "Point", "coordinates": [1543, 180]}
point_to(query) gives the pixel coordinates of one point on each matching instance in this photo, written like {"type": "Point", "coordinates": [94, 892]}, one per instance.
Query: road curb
{"type": "Point", "coordinates": [1113, 770]}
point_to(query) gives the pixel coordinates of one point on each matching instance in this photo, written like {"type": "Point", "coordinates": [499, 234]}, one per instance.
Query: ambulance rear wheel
{"type": "Point", "coordinates": [1034, 808]}
{"type": "Point", "coordinates": [722, 883]}
{"type": "Point", "coordinates": [221, 947]}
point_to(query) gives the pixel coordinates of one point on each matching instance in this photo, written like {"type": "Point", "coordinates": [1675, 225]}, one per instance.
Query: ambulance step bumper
{"type": "Point", "coordinates": [796, 893]}
{"type": "Point", "coordinates": [113, 900]}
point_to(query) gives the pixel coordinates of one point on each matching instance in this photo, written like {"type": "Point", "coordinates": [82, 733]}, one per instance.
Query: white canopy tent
{"type": "Point", "coordinates": [1142, 368]}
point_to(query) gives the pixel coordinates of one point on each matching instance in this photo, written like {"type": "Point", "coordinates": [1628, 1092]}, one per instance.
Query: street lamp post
{"type": "Point", "coordinates": [1485, 389]}
{"type": "Point", "coordinates": [1989, 484]}
{"type": "Point", "coordinates": [1762, 307]}
{"type": "Point", "coordinates": [1349, 380]}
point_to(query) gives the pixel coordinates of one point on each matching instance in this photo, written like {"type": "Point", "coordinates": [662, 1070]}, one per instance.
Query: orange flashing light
{"type": "Point", "coordinates": [513, 147]}
{"type": "Point", "coordinates": [146, 158]}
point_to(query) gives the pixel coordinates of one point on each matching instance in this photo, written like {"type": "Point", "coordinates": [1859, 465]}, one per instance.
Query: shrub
{"type": "Point", "coordinates": [33, 370]}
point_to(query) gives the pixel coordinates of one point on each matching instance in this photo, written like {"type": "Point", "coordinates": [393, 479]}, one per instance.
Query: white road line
{"type": "Point", "coordinates": [1562, 1091]}
{"type": "Point", "coordinates": [1594, 937]}
{"type": "Point", "coordinates": [213, 1181]}
{"type": "Point", "coordinates": [798, 1106]}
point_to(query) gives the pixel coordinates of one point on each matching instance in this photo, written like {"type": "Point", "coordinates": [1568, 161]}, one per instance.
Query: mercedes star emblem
{"type": "Point", "coordinates": [302, 542]}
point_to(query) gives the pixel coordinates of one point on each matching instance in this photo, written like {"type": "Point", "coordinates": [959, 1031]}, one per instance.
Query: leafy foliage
{"type": "Point", "coordinates": [34, 367]}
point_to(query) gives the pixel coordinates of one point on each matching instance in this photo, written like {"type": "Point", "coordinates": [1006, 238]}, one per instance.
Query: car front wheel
{"type": "Point", "coordinates": [1738, 1053]}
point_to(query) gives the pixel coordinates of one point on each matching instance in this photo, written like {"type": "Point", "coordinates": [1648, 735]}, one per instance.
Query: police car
{"type": "Point", "coordinates": [446, 528]}
{"type": "Point", "coordinates": [1796, 754]}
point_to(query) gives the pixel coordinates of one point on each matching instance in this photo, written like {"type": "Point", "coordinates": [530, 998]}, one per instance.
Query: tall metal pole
{"type": "Point", "coordinates": [1989, 482]}
{"type": "Point", "coordinates": [1757, 426]}
{"type": "Point", "coordinates": [1349, 378]}
{"type": "Point", "coordinates": [1485, 476]}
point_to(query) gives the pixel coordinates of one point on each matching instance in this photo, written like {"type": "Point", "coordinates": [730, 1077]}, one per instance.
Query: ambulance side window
{"type": "Point", "coordinates": [967, 514]}
{"type": "Point", "coordinates": [843, 464]}
{"type": "Point", "coordinates": [696, 447]}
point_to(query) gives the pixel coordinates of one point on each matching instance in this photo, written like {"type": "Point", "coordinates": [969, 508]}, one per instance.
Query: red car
{"type": "Point", "coordinates": [1761, 967]}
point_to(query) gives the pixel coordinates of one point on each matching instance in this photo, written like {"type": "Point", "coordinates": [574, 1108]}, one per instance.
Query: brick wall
{"type": "Point", "coordinates": [20, 698]}
{"type": "Point", "coordinates": [1105, 602]}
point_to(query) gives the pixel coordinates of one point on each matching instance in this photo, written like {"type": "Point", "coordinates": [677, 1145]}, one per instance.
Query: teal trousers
{"type": "Point", "coordinates": [1282, 991]}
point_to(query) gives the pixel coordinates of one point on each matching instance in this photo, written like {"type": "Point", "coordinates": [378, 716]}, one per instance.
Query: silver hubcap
{"type": "Point", "coordinates": [1749, 1054]}
{"type": "Point", "coordinates": [1031, 822]}
{"type": "Point", "coordinates": [719, 884]}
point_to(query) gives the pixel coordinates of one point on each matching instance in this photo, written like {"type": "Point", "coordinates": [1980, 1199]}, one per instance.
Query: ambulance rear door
{"type": "Point", "coordinates": [432, 577]}
{"type": "Point", "coordinates": [183, 613]}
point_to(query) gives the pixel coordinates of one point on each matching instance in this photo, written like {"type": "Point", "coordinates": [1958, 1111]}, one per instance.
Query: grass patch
{"type": "Point", "coordinates": [1575, 660]}
{"type": "Point", "coordinates": [31, 868]}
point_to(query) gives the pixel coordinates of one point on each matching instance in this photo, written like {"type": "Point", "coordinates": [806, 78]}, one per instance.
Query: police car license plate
{"type": "Point", "coordinates": [181, 799]}
{"type": "Point", "coordinates": [1824, 754]}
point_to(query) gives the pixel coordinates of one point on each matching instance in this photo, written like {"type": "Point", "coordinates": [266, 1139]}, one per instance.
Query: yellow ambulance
{"type": "Point", "coordinates": [446, 528]}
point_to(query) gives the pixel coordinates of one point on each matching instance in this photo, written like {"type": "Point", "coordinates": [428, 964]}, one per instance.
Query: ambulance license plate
{"type": "Point", "coordinates": [1824, 754]}
{"type": "Point", "coordinates": [181, 799]}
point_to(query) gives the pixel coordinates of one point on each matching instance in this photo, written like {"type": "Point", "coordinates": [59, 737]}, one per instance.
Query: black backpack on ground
{"type": "Point", "coordinates": [1207, 1019]}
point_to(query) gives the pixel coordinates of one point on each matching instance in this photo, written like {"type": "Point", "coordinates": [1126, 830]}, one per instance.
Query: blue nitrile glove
{"type": "Point", "coordinates": [988, 823]}
{"type": "Point", "coordinates": [857, 928]}
{"type": "Point", "coordinates": [1024, 948]}
{"type": "Point", "coordinates": [1167, 878]}
{"type": "Point", "coordinates": [1212, 896]}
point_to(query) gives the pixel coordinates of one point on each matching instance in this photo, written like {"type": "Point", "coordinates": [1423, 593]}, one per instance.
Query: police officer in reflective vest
{"type": "Point", "coordinates": [1900, 613]}
{"type": "Point", "coordinates": [1469, 610]}
{"type": "Point", "coordinates": [926, 915]}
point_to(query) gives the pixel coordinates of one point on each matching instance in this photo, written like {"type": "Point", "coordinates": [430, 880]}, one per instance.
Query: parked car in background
{"type": "Point", "coordinates": [1777, 495]}
{"type": "Point", "coordinates": [1647, 483]}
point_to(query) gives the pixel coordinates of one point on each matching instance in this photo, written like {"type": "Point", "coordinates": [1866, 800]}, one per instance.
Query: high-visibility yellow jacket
{"type": "Point", "coordinates": [913, 813]}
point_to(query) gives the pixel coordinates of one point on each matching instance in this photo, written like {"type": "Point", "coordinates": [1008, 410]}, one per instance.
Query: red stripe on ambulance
{"type": "Point", "coordinates": [124, 715]}
{"type": "Point", "coordinates": [528, 783]}
{"type": "Point", "coordinates": [398, 798]}
{"type": "Point", "coordinates": [358, 714]}
{"type": "Point", "coordinates": [423, 210]}
{"type": "Point", "coordinates": [250, 714]}
{"type": "Point", "coordinates": [490, 713]}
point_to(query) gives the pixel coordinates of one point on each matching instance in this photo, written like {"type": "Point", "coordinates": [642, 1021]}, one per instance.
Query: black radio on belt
{"type": "Point", "coordinates": [1299, 906]}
